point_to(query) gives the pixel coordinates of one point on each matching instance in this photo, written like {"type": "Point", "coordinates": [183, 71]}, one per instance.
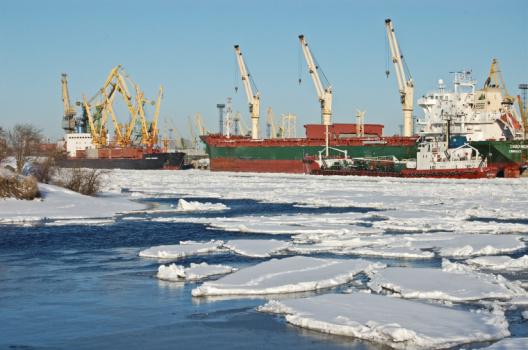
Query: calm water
{"type": "Point", "coordinates": [85, 287]}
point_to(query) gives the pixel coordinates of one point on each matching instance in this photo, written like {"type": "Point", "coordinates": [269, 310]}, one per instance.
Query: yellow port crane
{"type": "Point", "coordinates": [496, 80]}
{"type": "Point", "coordinates": [102, 105]}
{"type": "Point", "coordinates": [149, 132]}
{"type": "Point", "coordinates": [68, 120]}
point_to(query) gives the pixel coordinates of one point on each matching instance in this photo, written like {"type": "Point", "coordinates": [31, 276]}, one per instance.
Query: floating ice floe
{"type": "Point", "coordinates": [408, 245]}
{"type": "Point", "coordinates": [398, 323]}
{"type": "Point", "coordinates": [500, 263]}
{"type": "Point", "coordinates": [467, 245]}
{"type": "Point", "coordinates": [90, 222]}
{"type": "Point", "coordinates": [394, 252]}
{"type": "Point", "coordinates": [430, 283]}
{"type": "Point", "coordinates": [509, 344]}
{"type": "Point", "coordinates": [195, 272]}
{"type": "Point", "coordinates": [288, 275]}
{"type": "Point", "coordinates": [184, 205]}
{"type": "Point", "coordinates": [256, 248]}
{"type": "Point", "coordinates": [449, 224]}
{"type": "Point", "coordinates": [185, 248]}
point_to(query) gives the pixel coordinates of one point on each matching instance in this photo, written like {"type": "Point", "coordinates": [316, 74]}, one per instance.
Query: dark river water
{"type": "Point", "coordinates": [85, 287]}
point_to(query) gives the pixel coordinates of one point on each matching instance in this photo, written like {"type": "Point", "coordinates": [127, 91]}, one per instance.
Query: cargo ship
{"type": "Point", "coordinates": [80, 153]}
{"type": "Point", "coordinates": [482, 117]}
{"type": "Point", "coordinates": [87, 142]}
{"type": "Point", "coordinates": [241, 153]}
{"type": "Point", "coordinates": [434, 159]}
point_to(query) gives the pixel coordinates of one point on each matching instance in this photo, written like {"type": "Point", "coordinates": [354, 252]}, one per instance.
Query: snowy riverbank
{"type": "Point", "coordinates": [59, 203]}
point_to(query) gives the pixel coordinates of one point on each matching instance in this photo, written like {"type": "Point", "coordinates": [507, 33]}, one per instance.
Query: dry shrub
{"type": "Point", "coordinates": [17, 186]}
{"type": "Point", "coordinates": [84, 181]}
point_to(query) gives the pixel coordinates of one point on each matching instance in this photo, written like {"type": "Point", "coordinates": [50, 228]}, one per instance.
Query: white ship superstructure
{"type": "Point", "coordinates": [477, 115]}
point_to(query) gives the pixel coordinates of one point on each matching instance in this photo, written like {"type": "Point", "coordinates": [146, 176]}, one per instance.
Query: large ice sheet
{"type": "Point", "coordinates": [194, 272]}
{"type": "Point", "coordinates": [256, 248]}
{"type": "Point", "coordinates": [430, 283]}
{"type": "Point", "coordinates": [288, 275]}
{"type": "Point", "coordinates": [391, 321]}
{"type": "Point", "coordinates": [444, 197]}
{"type": "Point", "coordinates": [185, 248]}
{"type": "Point", "coordinates": [500, 263]}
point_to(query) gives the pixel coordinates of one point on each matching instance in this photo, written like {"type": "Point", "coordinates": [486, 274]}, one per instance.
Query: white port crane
{"type": "Point", "coordinates": [253, 98]}
{"type": "Point", "coordinates": [405, 85]}
{"type": "Point", "coordinates": [324, 93]}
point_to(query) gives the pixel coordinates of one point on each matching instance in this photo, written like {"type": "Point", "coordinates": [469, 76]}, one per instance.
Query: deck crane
{"type": "Point", "coordinates": [68, 120]}
{"type": "Point", "coordinates": [405, 84]}
{"type": "Point", "coordinates": [178, 144]}
{"type": "Point", "coordinates": [324, 93]}
{"type": "Point", "coordinates": [252, 97]}
{"type": "Point", "coordinates": [270, 122]}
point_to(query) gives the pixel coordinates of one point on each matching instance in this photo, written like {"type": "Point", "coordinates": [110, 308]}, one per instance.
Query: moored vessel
{"type": "Point", "coordinates": [434, 159]}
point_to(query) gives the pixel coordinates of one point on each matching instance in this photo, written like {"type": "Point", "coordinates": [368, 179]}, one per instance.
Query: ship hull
{"type": "Point", "coordinates": [172, 161]}
{"type": "Point", "coordinates": [510, 158]}
{"type": "Point", "coordinates": [471, 173]}
{"type": "Point", "coordinates": [286, 156]}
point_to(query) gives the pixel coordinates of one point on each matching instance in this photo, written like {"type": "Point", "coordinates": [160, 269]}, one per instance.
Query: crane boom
{"type": "Point", "coordinates": [253, 98]}
{"type": "Point", "coordinates": [68, 121]}
{"type": "Point", "coordinates": [324, 94]}
{"type": "Point", "coordinates": [405, 85]}
{"type": "Point", "coordinates": [270, 120]}
{"type": "Point", "coordinates": [154, 124]}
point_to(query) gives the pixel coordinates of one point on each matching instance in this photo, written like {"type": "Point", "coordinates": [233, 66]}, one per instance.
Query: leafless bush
{"type": "Point", "coordinates": [84, 181]}
{"type": "Point", "coordinates": [3, 144]}
{"type": "Point", "coordinates": [17, 186]}
{"type": "Point", "coordinates": [22, 141]}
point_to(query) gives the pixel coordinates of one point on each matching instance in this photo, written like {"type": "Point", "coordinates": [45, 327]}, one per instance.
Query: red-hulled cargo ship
{"type": "Point", "coordinates": [434, 159]}
{"type": "Point", "coordinates": [241, 153]}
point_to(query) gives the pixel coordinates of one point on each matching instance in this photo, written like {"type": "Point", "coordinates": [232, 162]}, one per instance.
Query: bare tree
{"type": "Point", "coordinates": [3, 144]}
{"type": "Point", "coordinates": [22, 141]}
{"type": "Point", "coordinates": [84, 181]}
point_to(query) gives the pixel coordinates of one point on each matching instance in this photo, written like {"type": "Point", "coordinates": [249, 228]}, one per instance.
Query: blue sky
{"type": "Point", "coordinates": [188, 47]}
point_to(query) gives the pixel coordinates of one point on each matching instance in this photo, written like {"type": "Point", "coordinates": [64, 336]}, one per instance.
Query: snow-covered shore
{"type": "Point", "coordinates": [59, 203]}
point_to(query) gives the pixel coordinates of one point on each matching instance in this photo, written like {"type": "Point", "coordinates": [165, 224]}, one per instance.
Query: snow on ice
{"type": "Point", "coordinates": [391, 321]}
{"type": "Point", "coordinates": [447, 285]}
{"type": "Point", "coordinates": [194, 272]}
{"type": "Point", "coordinates": [185, 248]}
{"type": "Point", "coordinates": [500, 263]}
{"type": "Point", "coordinates": [256, 248]}
{"type": "Point", "coordinates": [184, 205]}
{"type": "Point", "coordinates": [288, 275]}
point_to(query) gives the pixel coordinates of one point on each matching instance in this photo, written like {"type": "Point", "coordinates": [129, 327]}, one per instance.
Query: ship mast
{"type": "Point", "coordinates": [324, 93]}
{"type": "Point", "coordinates": [405, 85]}
{"type": "Point", "coordinates": [253, 98]}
